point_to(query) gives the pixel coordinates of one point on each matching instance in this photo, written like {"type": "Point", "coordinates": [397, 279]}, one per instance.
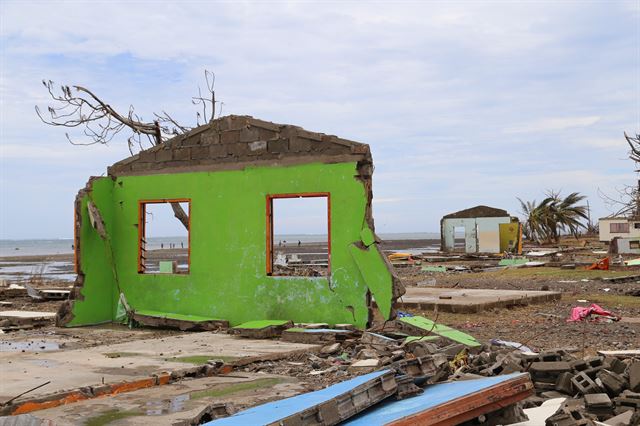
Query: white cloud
{"type": "Point", "coordinates": [461, 102]}
{"type": "Point", "coordinates": [552, 124]}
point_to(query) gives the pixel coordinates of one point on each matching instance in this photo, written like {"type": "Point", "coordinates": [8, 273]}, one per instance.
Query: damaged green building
{"type": "Point", "coordinates": [222, 180]}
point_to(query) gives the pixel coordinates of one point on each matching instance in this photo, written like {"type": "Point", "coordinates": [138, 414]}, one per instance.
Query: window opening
{"type": "Point", "coordinates": [459, 238]}
{"type": "Point", "coordinates": [298, 235]}
{"type": "Point", "coordinates": [619, 228]}
{"type": "Point", "coordinates": [164, 237]}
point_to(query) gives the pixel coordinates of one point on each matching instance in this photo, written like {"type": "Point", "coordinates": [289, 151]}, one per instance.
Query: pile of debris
{"type": "Point", "coordinates": [420, 354]}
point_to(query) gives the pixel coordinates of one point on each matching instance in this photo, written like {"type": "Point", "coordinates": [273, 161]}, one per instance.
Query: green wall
{"type": "Point", "coordinates": [227, 278]}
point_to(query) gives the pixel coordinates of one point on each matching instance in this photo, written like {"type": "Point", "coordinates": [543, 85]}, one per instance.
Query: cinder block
{"type": "Point", "coordinates": [200, 152]}
{"type": "Point", "coordinates": [164, 155]}
{"type": "Point", "coordinates": [147, 156]}
{"type": "Point", "coordinates": [237, 149]}
{"type": "Point", "coordinates": [297, 144]}
{"type": "Point", "coordinates": [230, 137]}
{"type": "Point", "coordinates": [217, 151]}
{"type": "Point", "coordinates": [615, 365]}
{"type": "Point", "coordinates": [584, 384]}
{"type": "Point", "coordinates": [628, 400]}
{"type": "Point", "coordinates": [257, 147]}
{"type": "Point", "coordinates": [269, 135]}
{"type": "Point", "coordinates": [142, 166]}
{"type": "Point", "coordinates": [278, 146]}
{"type": "Point", "coordinates": [249, 134]}
{"type": "Point", "coordinates": [612, 382]}
{"type": "Point", "coordinates": [549, 367]}
{"type": "Point", "coordinates": [563, 383]}
{"type": "Point", "coordinates": [181, 154]}
{"type": "Point", "coordinates": [597, 400]}
{"type": "Point", "coordinates": [634, 376]}
{"type": "Point", "coordinates": [209, 138]}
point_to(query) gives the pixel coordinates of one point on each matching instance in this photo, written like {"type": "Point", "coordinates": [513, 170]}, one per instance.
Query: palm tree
{"type": "Point", "coordinates": [553, 216]}
{"type": "Point", "coordinates": [532, 225]}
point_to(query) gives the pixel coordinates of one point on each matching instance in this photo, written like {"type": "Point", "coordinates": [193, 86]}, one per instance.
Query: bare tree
{"type": "Point", "coordinates": [77, 107]}
{"type": "Point", "coordinates": [627, 200]}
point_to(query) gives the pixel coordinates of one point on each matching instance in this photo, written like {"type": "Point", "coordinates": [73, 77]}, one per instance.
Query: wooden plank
{"type": "Point", "coordinates": [450, 403]}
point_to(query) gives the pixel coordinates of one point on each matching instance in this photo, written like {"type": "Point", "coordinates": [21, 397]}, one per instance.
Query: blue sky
{"type": "Point", "coordinates": [463, 103]}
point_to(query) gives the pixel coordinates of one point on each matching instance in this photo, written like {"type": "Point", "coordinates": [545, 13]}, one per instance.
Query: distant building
{"type": "Point", "coordinates": [622, 234]}
{"type": "Point", "coordinates": [484, 229]}
{"type": "Point", "coordinates": [623, 227]}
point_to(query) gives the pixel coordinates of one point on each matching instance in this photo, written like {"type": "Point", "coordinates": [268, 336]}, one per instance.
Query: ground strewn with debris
{"type": "Point", "coordinates": [211, 374]}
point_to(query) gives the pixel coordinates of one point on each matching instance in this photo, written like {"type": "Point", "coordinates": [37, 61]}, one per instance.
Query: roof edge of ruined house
{"type": "Point", "coordinates": [235, 141]}
{"type": "Point", "coordinates": [477, 211]}
{"type": "Point", "coordinates": [627, 218]}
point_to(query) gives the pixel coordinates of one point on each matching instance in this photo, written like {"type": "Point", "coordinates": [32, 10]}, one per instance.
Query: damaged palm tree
{"type": "Point", "coordinates": [545, 222]}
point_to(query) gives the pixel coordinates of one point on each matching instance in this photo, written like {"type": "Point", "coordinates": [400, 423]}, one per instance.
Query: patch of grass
{"type": "Point", "coordinates": [110, 416]}
{"type": "Point", "coordinates": [200, 359]}
{"type": "Point", "coordinates": [237, 387]}
{"type": "Point", "coordinates": [551, 272]}
{"type": "Point", "coordinates": [606, 299]}
{"type": "Point", "coordinates": [120, 354]}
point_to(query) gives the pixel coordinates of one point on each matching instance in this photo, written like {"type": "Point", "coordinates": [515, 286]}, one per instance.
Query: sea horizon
{"type": "Point", "coordinates": [51, 246]}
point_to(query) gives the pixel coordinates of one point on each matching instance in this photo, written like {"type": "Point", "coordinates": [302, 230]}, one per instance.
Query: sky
{"type": "Point", "coordinates": [463, 103]}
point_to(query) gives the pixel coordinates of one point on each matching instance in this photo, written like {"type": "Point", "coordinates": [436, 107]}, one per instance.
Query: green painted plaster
{"type": "Point", "coordinates": [227, 277]}
{"type": "Point", "coordinates": [259, 324]}
{"type": "Point", "coordinates": [367, 236]}
{"type": "Point", "coordinates": [375, 273]}
{"type": "Point", "coordinates": [441, 330]}
{"type": "Point", "coordinates": [410, 339]}
{"type": "Point", "coordinates": [171, 315]}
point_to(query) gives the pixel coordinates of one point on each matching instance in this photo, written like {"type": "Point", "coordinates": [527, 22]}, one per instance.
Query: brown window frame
{"type": "Point", "coordinates": [624, 226]}
{"type": "Point", "coordinates": [270, 198]}
{"type": "Point", "coordinates": [142, 225]}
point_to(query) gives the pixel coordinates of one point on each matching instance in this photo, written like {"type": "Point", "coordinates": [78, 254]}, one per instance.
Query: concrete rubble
{"type": "Point", "coordinates": [414, 354]}
{"type": "Point", "coordinates": [595, 388]}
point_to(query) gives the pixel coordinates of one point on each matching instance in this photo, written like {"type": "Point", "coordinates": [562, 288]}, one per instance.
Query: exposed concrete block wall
{"type": "Point", "coordinates": [234, 141]}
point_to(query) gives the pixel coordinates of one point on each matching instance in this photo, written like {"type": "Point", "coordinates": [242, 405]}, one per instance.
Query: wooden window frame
{"type": "Point", "coordinates": [142, 228]}
{"type": "Point", "coordinates": [617, 225]}
{"type": "Point", "coordinates": [270, 198]}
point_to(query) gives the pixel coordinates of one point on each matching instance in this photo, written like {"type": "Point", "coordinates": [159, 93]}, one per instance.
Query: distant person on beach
{"type": "Point", "coordinates": [161, 245]}
{"type": "Point", "coordinates": [299, 243]}
{"type": "Point", "coordinates": [181, 244]}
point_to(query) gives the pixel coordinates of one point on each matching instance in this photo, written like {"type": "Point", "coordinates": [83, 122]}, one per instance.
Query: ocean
{"type": "Point", "coordinates": [65, 245]}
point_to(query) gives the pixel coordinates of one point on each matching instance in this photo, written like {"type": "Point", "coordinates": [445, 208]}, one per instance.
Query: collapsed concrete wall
{"type": "Point", "coordinates": [227, 171]}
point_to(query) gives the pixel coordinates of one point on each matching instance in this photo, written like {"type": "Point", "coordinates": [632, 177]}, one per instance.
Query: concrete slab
{"type": "Point", "coordinates": [129, 361]}
{"type": "Point", "coordinates": [471, 300]}
{"type": "Point", "coordinates": [174, 403]}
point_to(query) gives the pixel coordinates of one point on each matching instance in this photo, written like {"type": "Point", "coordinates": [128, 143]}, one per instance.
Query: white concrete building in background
{"type": "Point", "coordinates": [480, 227]}
{"type": "Point", "coordinates": [623, 227]}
